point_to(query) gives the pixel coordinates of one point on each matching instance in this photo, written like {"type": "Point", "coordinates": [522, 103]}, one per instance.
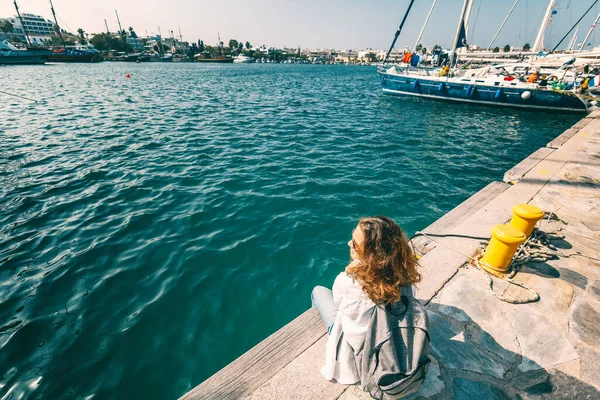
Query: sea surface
{"type": "Point", "coordinates": [154, 228]}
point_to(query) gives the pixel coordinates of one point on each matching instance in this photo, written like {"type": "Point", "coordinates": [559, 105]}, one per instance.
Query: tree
{"type": "Point", "coordinates": [100, 41]}
{"type": "Point", "coordinates": [81, 35]}
{"type": "Point", "coordinates": [371, 57]}
{"type": "Point", "coordinates": [240, 47]}
{"type": "Point", "coordinates": [201, 46]}
{"type": "Point", "coordinates": [257, 55]}
{"type": "Point", "coordinates": [526, 47]}
{"type": "Point", "coordinates": [248, 45]}
{"type": "Point", "coordinates": [6, 27]}
{"type": "Point", "coordinates": [233, 44]}
{"type": "Point", "coordinates": [506, 48]}
{"type": "Point", "coordinates": [496, 49]}
{"type": "Point", "coordinates": [132, 33]}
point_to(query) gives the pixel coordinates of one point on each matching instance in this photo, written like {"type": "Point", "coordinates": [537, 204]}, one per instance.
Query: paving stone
{"type": "Point", "coordinates": [301, 379]}
{"type": "Point", "coordinates": [585, 266]}
{"type": "Point", "coordinates": [574, 278]}
{"type": "Point", "coordinates": [555, 294]}
{"type": "Point", "coordinates": [467, 299]}
{"type": "Point", "coordinates": [465, 389]}
{"type": "Point", "coordinates": [585, 323]}
{"type": "Point", "coordinates": [582, 245]}
{"type": "Point", "coordinates": [539, 335]}
{"type": "Point", "coordinates": [590, 365]}
{"type": "Point", "coordinates": [572, 368]}
{"type": "Point", "coordinates": [525, 380]}
{"type": "Point", "coordinates": [354, 393]}
{"type": "Point", "coordinates": [561, 386]}
{"type": "Point", "coordinates": [595, 290]}
{"type": "Point", "coordinates": [454, 351]}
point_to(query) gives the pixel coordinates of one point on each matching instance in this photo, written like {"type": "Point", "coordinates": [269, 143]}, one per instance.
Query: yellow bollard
{"type": "Point", "coordinates": [525, 217]}
{"type": "Point", "coordinates": [503, 245]}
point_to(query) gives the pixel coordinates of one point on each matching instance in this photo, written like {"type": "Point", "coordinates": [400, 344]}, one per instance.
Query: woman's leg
{"type": "Point", "coordinates": [322, 298]}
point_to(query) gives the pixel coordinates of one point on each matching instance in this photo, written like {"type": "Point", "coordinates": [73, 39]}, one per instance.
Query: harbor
{"type": "Point", "coordinates": [482, 347]}
{"type": "Point", "coordinates": [175, 182]}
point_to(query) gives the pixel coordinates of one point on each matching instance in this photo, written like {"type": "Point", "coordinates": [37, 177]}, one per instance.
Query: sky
{"type": "Point", "coordinates": [340, 24]}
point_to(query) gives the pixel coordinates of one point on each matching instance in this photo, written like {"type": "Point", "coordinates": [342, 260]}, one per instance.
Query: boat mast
{"type": "Point", "coordinates": [461, 22]}
{"type": "Point", "coordinates": [398, 30]}
{"type": "Point", "coordinates": [121, 33]}
{"type": "Point", "coordinates": [219, 44]}
{"type": "Point", "coordinates": [160, 48]}
{"type": "Point", "coordinates": [62, 39]}
{"type": "Point", "coordinates": [589, 33]}
{"type": "Point", "coordinates": [468, 16]}
{"type": "Point", "coordinates": [503, 23]}
{"type": "Point", "coordinates": [539, 41]}
{"type": "Point", "coordinates": [424, 25]}
{"type": "Point", "coordinates": [576, 23]}
{"type": "Point", "coordinates": [573, 39]}
{"type": "Point", "coordinates": [22, 24]}
{"type": "Point", "coordinates": [108, 38]}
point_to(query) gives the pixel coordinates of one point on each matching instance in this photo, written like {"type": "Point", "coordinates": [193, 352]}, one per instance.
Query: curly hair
{"type": "Point", "coordinates": [388, 262]}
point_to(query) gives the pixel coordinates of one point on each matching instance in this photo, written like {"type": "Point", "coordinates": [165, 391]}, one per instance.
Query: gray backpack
{"type": "Point", "coordinates": [394, 359]}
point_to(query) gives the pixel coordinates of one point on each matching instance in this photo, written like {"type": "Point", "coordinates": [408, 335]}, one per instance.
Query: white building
{"type": "Point", "coordinates": [36, 27]}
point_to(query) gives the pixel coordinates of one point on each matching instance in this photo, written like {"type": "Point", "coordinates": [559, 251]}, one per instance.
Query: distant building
{"type": "Point", "coordinates": [17, 34]}
{"type": "Point", "coordinates": [36, 27]}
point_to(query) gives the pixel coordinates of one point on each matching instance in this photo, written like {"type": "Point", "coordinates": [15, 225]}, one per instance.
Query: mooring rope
{"type": "Point", "coordinates": [537, 248]}
{"type": "Point", "coordinates": [17, 95]}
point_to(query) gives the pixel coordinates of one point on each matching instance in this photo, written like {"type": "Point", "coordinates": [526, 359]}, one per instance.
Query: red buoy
{"type": "Point", "coordinates": [128, 76]}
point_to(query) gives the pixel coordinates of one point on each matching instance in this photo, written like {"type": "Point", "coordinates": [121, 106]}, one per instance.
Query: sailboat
{"type": "Point", "coordinates": [486, 86]}
{"type": "Point", "coordinates": [72, 54]}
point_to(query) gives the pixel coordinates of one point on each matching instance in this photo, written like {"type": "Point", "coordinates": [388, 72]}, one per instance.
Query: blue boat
{"type": "Point", "coordinates": [494, 90]}
{"type": "Point", "coordinates": [486, 86]}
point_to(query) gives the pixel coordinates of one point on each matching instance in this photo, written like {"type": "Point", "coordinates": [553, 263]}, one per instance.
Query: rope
{"type": "Point", "coordinates": [537, 248]}
{"type": "Point", "coordinates": [16, 95]}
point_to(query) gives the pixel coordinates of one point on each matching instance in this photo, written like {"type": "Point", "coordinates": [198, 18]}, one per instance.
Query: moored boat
{"type": "Point", "coordinates": [10, 54]}
{"type": "Point", "coordinates": [490, 85]}
{"type": "Point", "coordinates": [212, 59]}
{"type": "Point", "coordinates": [75, 54]}
{"type": "Point", "coordinates": [479, 87]}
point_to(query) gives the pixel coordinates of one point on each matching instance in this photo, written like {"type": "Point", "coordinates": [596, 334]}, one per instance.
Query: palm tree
{"type": "Point", "coordinates": [248, 46]}
{"type": "Point", "coordinates": [81, 34]}
{"type": "Point", "coordinates": [6, 27]}
{"type": "Point", "coordinates": [526, 47]}
{"type": "Point", "coordinates": [506, 48]}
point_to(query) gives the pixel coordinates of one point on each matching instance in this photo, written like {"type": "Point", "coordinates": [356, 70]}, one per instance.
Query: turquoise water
{"type": "Point", "coordinates": [153, 229]}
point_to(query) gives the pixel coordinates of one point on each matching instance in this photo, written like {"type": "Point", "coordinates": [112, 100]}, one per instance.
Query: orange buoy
{"type": "Point", "coordinates": [128, 76]}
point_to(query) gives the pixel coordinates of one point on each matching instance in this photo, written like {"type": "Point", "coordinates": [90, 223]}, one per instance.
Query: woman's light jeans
{"type": "Point", "coordinates": [322, 298]}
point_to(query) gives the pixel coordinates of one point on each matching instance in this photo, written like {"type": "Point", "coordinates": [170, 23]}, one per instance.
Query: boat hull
{"type": "Point", "coordinates": [214, 60]}
{"type": "Point", "coordinates": [24, 57]}
{"type": "Point", "coordinates": [84, 58]}
{"type": "Point", "coordinates": [481, 94]}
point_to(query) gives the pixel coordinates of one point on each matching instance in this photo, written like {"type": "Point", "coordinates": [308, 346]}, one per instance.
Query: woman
{"type": "Point", "coordinates": [382, 264]}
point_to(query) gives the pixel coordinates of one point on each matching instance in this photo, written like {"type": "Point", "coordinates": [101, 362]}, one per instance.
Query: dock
{"type": "Point", "coordinates": [481, 347]}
